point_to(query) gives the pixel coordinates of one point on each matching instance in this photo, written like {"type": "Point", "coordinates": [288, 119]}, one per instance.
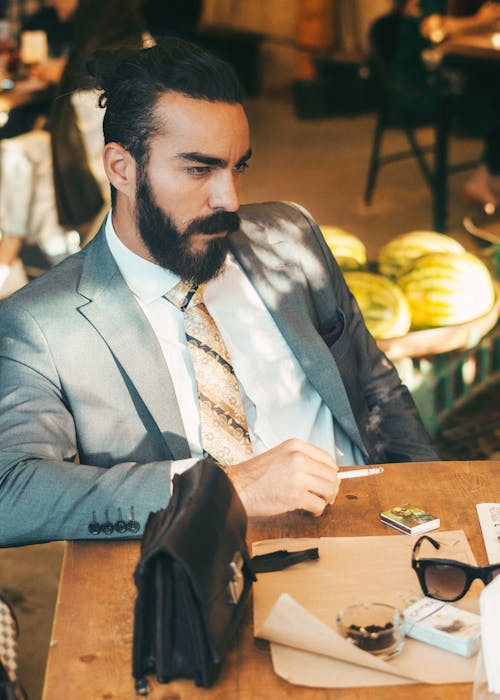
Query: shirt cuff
{"type": "Point", "coordinates": [4, 273]}
{"type": "Point", "coordinates": [179, 466]}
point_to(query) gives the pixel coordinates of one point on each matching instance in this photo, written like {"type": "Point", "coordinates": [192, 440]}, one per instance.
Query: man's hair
{"type": "Point", "coordinates": [132, 81]}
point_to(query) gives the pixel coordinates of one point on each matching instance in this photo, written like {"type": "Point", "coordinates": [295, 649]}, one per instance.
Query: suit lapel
{"type": "Point", "coordinates": [118, 318]}
{"type": "Point", "coordinates": [283, 287]}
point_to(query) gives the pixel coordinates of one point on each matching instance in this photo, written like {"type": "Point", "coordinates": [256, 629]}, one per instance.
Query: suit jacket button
{"type": "Point", "coordinates": [120, 526]}
{"type": "Point", "coordinates": [94, 528]}
{"type": "Point", "coordinates": [133, 526]}
{"type": "Point", "coordinates": [107, 528]}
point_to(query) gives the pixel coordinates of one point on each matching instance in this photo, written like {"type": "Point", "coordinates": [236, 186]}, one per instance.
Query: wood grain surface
{"type": "Point", "coordinates": [90, 654]}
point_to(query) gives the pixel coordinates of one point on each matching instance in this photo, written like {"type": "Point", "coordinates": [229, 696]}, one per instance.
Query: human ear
{"type": "Point", "coordinates": [120, 168]}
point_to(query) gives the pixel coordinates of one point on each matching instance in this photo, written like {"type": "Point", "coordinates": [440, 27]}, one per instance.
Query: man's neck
{"type": "Point", "coordinates": [125, 227]}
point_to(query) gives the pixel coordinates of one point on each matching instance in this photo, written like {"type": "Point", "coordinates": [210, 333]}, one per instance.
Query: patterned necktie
{"type": "Point", "coordinates": [224, 429]}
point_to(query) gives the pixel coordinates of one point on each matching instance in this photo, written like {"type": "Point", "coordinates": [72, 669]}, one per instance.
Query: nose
{"type": "Point", "coordinates": [225, 192]}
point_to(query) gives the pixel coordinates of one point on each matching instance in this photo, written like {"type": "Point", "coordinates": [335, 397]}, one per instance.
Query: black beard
{"type": "Point", "coordinates": [169, 247]}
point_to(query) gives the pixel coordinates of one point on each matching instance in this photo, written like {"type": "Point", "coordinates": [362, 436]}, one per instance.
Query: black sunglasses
{"type": "Point", "coordinates": [446, 579]}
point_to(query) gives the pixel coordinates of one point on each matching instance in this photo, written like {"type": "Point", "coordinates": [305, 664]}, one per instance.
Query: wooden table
{"type": "Point", "coordinates": [24, 92]}
{"type": "Point", "coordinates": [485, 45]}
{"type": "Point", "coordinates": [90, 654]}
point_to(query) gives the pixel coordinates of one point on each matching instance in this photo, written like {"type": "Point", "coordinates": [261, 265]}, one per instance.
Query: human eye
{"type": "Point", "coordinates": [240, 168]}
{"type": "Point", "coordinates": [198, 170]}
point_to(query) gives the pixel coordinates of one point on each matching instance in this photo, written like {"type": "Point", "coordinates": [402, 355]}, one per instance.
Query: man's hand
{"type": "Point", "coordinates": [438, 27]}
{"type": "Point", "coordinates": [293, 475]}
{"type": "Point", "coordinates": [488, 14]}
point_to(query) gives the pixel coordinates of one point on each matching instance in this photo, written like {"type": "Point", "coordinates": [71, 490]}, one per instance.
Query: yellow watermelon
{"type": "Point", "coordinates": [443, 289]}
{"type": "Point", "coordinates": [349, 251]}
{"type": "Point", "coordinates": [382, 303]}
{"type": "Point", "coordinates": [402, 251]}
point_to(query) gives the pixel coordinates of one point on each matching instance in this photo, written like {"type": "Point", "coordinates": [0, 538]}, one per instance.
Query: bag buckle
{"type": "Point", "coordinates": [234, 588]}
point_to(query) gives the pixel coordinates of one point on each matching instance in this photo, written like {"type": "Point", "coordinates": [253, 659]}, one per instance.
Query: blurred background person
{"type": "Point", "coordinates": [52, 180]}
{"type": "Point", "coordinates": [18, 12]}
{"type": "Point", "coordinates": [424, 24]}
{"type": "Point", "coordinates": [55, 20]}
{"type": "Point", "coordinates": [172, 18]}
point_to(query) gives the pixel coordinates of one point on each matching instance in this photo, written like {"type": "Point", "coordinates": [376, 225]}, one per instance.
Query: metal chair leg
{"type": "Point", "coordinates": [374, 161]}
{"type": "Point", "coordinates": [417, 150]}
{"type": "Point", "coordinates": [440, 181]}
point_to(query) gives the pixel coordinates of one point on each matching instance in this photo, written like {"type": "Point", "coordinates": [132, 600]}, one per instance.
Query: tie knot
{"type": "Point", "coordinates": [185, 294]}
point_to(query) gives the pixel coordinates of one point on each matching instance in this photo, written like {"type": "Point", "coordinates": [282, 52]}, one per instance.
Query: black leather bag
{"type": "Point", "coordinates": [192, 579]}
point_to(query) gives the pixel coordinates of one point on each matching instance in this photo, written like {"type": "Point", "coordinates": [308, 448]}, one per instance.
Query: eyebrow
{"type": "Point", "coordinates": [195, 157]}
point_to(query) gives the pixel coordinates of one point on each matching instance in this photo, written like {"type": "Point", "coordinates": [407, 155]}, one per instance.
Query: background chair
{"type": "Point", "coordinates": [396, 110]}
{"type": "Point", "coordinates": [28, 199]}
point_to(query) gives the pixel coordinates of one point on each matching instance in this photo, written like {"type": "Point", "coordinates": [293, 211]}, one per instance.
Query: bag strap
{"type": "Point", "coordinates": [282, 559]}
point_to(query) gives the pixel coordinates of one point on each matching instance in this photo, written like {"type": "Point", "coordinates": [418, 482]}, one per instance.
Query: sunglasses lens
{"type": "Point", "coordinates": [445, 582]}
{"type": "Point", "coordinates": [495, 573]}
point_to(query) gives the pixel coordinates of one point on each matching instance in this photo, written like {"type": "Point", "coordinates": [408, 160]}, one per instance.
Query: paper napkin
{"type": "Point", "coordinates": [489, 603]}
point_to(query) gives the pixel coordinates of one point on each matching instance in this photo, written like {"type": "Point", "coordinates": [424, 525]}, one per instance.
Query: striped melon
{"type": "Point", "coordinates": [401, 251]}
{"type": "Point", "coordinates": [383, 305]}
{"type": "Point", "coordinates": [349, 251]}
{"type": "Point", "coordinates": [447, 288]}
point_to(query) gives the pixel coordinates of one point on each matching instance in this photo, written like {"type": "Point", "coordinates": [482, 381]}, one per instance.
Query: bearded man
{"type": "Point", "coordinates": [189, 327]}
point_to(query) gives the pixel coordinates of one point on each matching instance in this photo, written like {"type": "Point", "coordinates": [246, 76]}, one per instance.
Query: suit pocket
{"type": "Point", "coordinates": [335, 332]}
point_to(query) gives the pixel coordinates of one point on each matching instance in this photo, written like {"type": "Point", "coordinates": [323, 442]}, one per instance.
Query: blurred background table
{"type": "Point", "coordinates": [90, 651]}
{"type": "Point", "coordinates": [483, 45]}
{"type": "Point", "coordinates": [29, 90]}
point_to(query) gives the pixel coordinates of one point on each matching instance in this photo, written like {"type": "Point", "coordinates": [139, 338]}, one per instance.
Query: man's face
{"type": "Point", "coordinates": [187, 195]}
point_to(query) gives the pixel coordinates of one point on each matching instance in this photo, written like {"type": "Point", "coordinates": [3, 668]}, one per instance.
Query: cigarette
{"type": "Point", "coordinates": [360, 472]}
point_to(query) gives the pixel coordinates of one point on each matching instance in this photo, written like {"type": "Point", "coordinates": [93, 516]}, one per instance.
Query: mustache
{"type": "Point", "coordinates": [216, 223]}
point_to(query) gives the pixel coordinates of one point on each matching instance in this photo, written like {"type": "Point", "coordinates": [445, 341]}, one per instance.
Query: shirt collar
{"type": "Point", "coordinates": [145, 279]}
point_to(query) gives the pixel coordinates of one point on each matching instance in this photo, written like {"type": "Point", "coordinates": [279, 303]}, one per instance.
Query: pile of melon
{"type": "Point", "coordinates": [424, 280]}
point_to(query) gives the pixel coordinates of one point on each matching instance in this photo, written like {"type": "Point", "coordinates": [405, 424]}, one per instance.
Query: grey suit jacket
{"type": "Point", "coordinates": [88, 417]}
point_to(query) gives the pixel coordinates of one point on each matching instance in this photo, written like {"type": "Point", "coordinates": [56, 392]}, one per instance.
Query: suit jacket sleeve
{"type": "Point", "coordinates": [45, 494]}
{"type": "Point", "coordinates": [386, 415]}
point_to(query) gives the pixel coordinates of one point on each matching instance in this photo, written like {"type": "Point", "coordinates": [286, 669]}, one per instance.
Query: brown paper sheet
{"type": "Point", "coordinates": [295, 610]}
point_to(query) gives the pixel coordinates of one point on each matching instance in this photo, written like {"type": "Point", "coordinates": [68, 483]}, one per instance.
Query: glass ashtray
{"type": "Point", "coordinates": [373, 627]}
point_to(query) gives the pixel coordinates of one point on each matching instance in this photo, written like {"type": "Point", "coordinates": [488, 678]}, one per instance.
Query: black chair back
{"type": "Point", "coordinates": [404, 105]}
{"type": "Point", "coordinates": [383, 36]}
